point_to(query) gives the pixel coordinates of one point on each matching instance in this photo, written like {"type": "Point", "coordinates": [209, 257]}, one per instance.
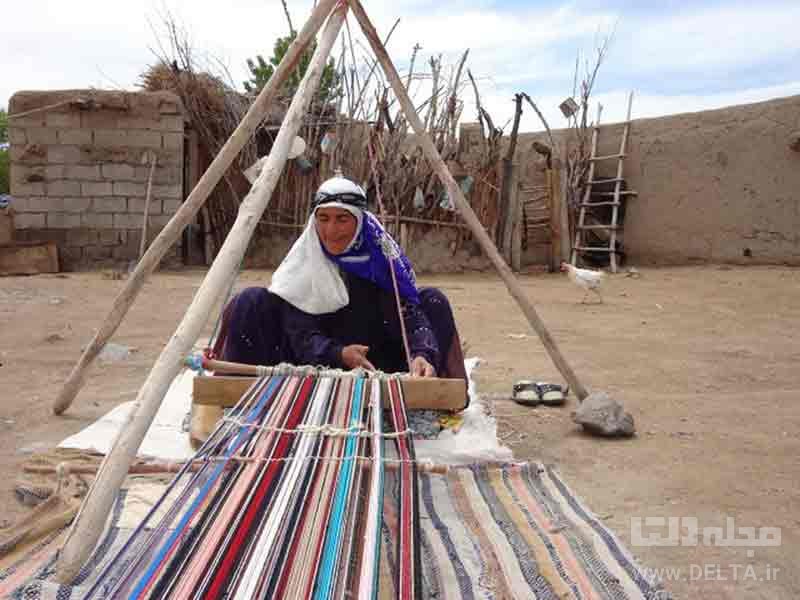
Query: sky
{"type": "Point", "coordinates": [676, 56]}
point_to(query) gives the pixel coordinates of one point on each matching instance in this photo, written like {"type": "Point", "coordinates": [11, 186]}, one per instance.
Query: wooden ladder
{"type": "Point", "coordinates": [593, 199]}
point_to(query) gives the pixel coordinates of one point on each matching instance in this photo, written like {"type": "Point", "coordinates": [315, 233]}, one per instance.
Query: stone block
{"type": "Point", "coordinates": [35, 120]}
{"type": "Point", "coordinates": [173, 141]}
{"type": "Point", "coordinates": [63, 119]}
{"type": "Point", "coordinates": [171, 206]}
{"type": "Point", "coordinates": [97, 220]}
{"type": "Point", "coordinates": [64, 188]}
{"type": "Point", "coordinates": [57, 236]}
{"type": "Point", "coordinates": [110, 137]}
{"type": "Point", "coordinates": [138, 138]}
{"type": "Point", "coordinates": [42, 135]}
{"type": "Point", "coordinates": [45, 203]}
{"type": "Point", "coordinates": [75, 136]}
{"type": "Point", "coordinates": [16, 135]}
{"type": "Point", "coordinates": [168, 157]}
{"type": "Point", "coordinates": [162, 175]}
{"type": "Point", "coordinates": [99, 119]}
{"type": "Point", "coordinates": [20, 205]}
{"type": "Point", "coordinates": [137, 122]}
{"type": "Point", "coordinates": [126, 188]}
{"type": "Point", "coordinates": [168, 191]}
{"type": "Point", "coordinates": [133, 238]}
{"type": "Point", "coordinates": [90, 189]}
{"type": "Point", "coordinates": [30, 154]}
{"type": "Point", "coordinates": [125, 253]}
{"type": "Point", "coordinates": [171, 123]}
{"type": "Point", "coordinates": [97, 253]}
{"type": "Point", "coordinates": [65, 155]}
{"type": "Point", "coordinates": [110, 205]}
{"type": "Point", "coordinates": [136, 205]}
{"type": "Point", "coordinates": [52, 172]}
{"type": "Point", "coordinates": [28, 174]}
{"type": "Point", "coordinates": [81, 237]}
{"type": "Point", "coordinates": [127, 221]}
{"type": "Point", "coordinates": [109, 237]}
{"type": "Point", "coordinates": [90, 172]}
{"type": "Point", "coordinates": [29, 221]}
{"type": "Point", "coordinates": [77, 204]}
{"type": "Point", "coordinates": [159, 122]}
{"type": "Point", "coordinates": [59, 220]}
{"type": "Point", "coordinates": [27, 189]}
{"type": "Point", "coordinates": [118, 172]}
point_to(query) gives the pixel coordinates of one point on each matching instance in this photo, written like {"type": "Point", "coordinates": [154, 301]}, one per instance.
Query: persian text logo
{"type": "Point", "coordinates": [685, 531]}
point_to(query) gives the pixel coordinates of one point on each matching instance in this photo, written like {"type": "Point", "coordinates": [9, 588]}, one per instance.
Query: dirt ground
{"type": "Point", "coordinates": [704, 358]}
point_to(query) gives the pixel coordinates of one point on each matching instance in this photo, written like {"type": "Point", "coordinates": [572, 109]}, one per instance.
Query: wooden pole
{"type": "Point", "coordinates": [517, 222]}
{"type": "Point", "coordinates": [507, 208]}
{"type": "Point", "coordinates": [91, 519]}
{"type": "Point", "coordinates": [453, 189]}
{"type": "Point", "coordinates": [554, 192]}
{"type": "Point", "coordinates": [148, 197]}
{"type": "Point", "coordinates": [186, 213]}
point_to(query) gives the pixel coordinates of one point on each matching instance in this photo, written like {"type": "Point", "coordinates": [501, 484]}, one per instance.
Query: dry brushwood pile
{"type": "Point", "coordinates": [358, 130]}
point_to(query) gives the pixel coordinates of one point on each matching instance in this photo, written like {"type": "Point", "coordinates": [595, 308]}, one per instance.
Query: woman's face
{"type": "Point", "coordinates": [336, 228]}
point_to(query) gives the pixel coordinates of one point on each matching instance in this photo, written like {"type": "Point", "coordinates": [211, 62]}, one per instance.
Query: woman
{"type": "Point", "coordinates": [332, 301]}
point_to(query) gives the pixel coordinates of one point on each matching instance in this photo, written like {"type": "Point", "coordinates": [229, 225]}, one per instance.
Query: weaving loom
{"type": "Point", "coordinates": [285, 500]}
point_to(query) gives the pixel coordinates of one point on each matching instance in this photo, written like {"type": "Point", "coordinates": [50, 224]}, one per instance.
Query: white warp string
{"type": "Point", "coordinates": [326, 429]}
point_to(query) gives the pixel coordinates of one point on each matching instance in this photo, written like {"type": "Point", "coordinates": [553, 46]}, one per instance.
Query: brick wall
{"type": "Point", "coordinates": [79, 171]}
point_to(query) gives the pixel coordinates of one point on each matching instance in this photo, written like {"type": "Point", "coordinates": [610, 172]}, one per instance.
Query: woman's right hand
{"type": "Point", "coordinates": [355, 355]}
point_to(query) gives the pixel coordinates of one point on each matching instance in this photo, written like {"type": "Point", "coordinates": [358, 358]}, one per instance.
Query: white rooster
{"type": "Point", "coordinates": [587, 279]}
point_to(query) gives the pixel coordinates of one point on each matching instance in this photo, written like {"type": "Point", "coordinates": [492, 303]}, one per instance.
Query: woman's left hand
{"type": "Point", "coordinates": [422, 368]}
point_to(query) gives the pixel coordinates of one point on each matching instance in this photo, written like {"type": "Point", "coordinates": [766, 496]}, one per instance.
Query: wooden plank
{"type": "Point", "coordinates": [29, 258]}
{"type": "Point", "coordinates": [440, 394]}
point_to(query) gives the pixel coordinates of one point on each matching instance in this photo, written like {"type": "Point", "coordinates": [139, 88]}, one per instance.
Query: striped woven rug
{"type": "Point", "coordinates": [515, 531]}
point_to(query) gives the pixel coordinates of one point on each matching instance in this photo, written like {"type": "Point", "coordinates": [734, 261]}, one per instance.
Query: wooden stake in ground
{"type": "Point", "coordinates": [464, 208]}
{"type": "Point", "coordinates": [91, 519]}
{"type": "Point", "coordinates": [186, 213]}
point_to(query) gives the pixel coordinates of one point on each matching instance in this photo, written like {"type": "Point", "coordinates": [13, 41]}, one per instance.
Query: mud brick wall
{"type": "Point", "coordinates": [718, 186]}
{"type": "Point", "coordinates": [79, 171]}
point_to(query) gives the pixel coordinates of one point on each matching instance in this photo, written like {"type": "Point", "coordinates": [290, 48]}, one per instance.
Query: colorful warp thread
{"type": "Point", "coordinates": [287, 503]}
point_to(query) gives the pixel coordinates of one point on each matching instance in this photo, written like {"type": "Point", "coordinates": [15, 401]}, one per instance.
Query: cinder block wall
{"type": "Point", "coordinates": [79, 171]}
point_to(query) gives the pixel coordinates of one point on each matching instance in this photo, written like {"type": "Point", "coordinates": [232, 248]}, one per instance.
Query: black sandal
{"type": "Point", "coordinates": [552, 394]}
{"type": "Point", "coordinates": [532, 393]}
{"type": "Point", "coordinates": [526, 393]}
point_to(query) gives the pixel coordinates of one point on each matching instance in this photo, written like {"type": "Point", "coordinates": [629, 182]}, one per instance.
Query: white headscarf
{"type": "Point", "coordinates": [306, 278]}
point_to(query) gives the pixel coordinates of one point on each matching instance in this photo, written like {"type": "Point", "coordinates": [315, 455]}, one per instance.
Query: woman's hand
{"type": "Point", "coordinates": [355, 355]}
{"type": "Point", "coordinates": [422, 368]}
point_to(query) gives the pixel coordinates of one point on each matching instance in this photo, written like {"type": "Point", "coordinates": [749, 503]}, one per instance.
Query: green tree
{"type": "Point", "coordinates": [3, 125]}
{"type": "Point", "coordinates": [261, 70]}
{"type": "Point", "coordinates": [3, 153]}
